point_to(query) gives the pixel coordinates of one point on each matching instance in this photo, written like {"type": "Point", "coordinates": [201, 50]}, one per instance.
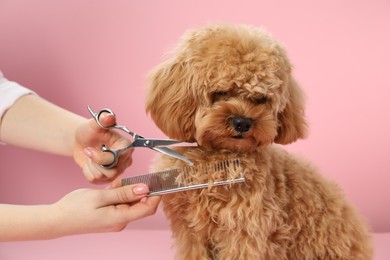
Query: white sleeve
{"type": "Point", "coordinates": [10, 92]}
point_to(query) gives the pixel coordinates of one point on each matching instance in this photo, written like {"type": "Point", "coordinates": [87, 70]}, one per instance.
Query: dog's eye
{"type": "Point", "coordinates": [220, 95]}
{"type": "Point", "coordinates": [260, 101]}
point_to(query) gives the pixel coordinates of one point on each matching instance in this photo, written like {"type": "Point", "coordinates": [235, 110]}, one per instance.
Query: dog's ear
{"type": "Point", "coordinates": [170, 100]}
{"type": "Point", "coordinates": [292, 121]}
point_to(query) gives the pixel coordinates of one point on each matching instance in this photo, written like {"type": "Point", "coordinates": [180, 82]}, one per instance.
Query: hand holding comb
{"type": "Point", "coordinates": [187, 178]}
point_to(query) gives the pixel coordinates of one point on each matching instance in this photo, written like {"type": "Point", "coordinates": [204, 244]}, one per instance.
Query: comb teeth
{"type": "Point", "coordinates": [190, 177]}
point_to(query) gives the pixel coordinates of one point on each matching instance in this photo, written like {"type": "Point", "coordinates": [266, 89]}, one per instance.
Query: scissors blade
{"type": "Point", "coordinates": [146, 142]}
{"type": "Point", "coordinates": [172, 153]}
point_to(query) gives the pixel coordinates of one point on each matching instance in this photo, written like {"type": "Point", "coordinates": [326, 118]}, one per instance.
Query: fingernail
{"type": "Point", "coordinates": [140, 190]}
{"type": "Point", "coordinates": [104, 115]}
{"type": "Point", "coordinates": [88, 152]}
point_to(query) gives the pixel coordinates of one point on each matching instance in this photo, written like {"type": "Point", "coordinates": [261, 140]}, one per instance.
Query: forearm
{"type": "Point", "coordinates": [35, 123]}
{"type": "Point", "coordinates": [79, 212]}
{"type": "Point", "coordinates": [19, 222]}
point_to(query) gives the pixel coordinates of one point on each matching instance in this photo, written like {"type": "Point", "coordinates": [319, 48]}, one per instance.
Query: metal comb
{"type": "Point", "coordinates": [187, 178]}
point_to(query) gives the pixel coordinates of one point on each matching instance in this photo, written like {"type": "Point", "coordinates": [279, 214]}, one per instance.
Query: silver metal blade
{"type": "Point", "coordinates": [172, 153]}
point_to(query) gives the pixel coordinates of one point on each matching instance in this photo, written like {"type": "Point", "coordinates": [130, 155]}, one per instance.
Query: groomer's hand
{"type": "Point", "coordinates": [90, 211]}
{"type": "Point", "coordinates": [79, 212]}
{"type": "Point", "coordinates": [87, 152]}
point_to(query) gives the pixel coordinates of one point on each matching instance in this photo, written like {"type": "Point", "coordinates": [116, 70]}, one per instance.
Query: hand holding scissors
{"type": "Point", "coordinates": [158, 145]}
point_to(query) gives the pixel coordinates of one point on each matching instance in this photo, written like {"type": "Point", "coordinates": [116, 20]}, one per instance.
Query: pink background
{"type": "Point", "coordinates": [97, 53]}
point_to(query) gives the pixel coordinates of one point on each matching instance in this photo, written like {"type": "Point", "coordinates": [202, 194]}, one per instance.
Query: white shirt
{"type": "Point", "coordinates": [10, 92]}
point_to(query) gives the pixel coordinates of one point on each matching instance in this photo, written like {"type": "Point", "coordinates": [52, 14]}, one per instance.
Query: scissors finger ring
{"type": "Point", "coordinates": [98, 114]}
{"type": "Point", "coordinates": [115, 153]}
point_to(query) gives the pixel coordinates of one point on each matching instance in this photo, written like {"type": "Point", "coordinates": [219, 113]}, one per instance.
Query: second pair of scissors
{"type": "Point", "coordinates": [139, 141]}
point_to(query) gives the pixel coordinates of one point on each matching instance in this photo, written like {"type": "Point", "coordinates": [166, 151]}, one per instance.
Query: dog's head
{"type": "Point", "coordinates": [227, 87]}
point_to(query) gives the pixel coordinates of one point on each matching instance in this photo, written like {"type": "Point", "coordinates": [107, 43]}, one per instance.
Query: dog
{"type": "Point", "coordinates": [230, 89]}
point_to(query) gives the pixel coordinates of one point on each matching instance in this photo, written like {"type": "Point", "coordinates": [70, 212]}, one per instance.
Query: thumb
{"type": "Point", "coordinates": [105, 119]}
{"type": "Point", "coordinates": [126, 194]}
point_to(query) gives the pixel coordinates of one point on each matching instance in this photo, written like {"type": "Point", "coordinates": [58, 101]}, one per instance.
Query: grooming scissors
{"type": "Point", "coordinates": [139, 141]}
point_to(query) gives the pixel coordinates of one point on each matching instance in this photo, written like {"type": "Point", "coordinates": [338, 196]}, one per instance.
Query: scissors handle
{"type": "Point", "coordinates": [98, 114]}
{"type": "Point", "coordinates": [109, 111]}
{"type": "Point", "coordinates": [139, 141]}
{"type": "Point", "coordinates": [115, 153]}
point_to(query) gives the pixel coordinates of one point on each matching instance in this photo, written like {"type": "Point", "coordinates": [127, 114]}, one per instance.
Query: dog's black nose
{"type": "Point", "coordinates": [241, 124]}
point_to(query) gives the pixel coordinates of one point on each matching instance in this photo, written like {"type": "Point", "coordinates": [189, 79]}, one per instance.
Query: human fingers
{"type": "Point", "coordinates": [150, 201]}
{"type": "Point", "coordinates": [105, 119]}
{"type": "Point", "coordinates": [153, 201]}
{"type": "Point", "coordinates": [96, 173]}
{"type": "Point", "coordinates": [115, 184]}
{"type": "Point", "coordinates": [142, 208]}
{"type": "Point", "coordinates": [125, 195]}
{"type": "Point", "coordinates": [99, 157]}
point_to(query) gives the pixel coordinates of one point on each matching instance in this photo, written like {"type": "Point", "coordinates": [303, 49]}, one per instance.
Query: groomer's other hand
{"type": "Point", "coordinates": [91, 211]}
{"type": "Point", "coordinates": [87, 152]}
